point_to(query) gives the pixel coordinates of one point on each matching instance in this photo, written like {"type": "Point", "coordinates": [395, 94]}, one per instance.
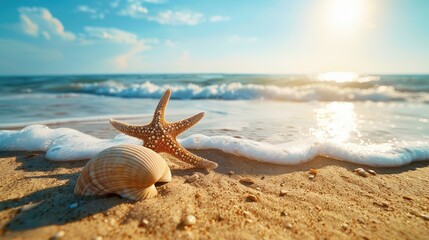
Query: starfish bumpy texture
{"type": "Point", "coordinates": [160, 135]}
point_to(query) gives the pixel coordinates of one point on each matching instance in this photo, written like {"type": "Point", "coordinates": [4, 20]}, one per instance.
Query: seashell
{"type": "Point", "coordinates": [313, 171]}
{"type": "Point", "coordinates": [130, 171]}
{"type": "Point", "coordinates": [190, 220]}
{"type": "Point", "coordinates": [247, 180]}
{"type": "Point", "coordinates": [361, 172]}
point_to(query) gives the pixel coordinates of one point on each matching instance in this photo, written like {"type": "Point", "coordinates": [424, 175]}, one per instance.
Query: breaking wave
{"type": "Point", "coordinates": [241, 91]}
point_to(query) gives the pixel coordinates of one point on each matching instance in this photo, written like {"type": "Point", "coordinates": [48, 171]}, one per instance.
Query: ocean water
{"type": "Point", "coordinates": [377, 120]}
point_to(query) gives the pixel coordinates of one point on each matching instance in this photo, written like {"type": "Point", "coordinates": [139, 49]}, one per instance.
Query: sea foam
{"type": "Point", "coordinates": [237, 90]}
{"type": "Point", "coordinates": [61, 144]}
{"type": "Point", "coordinates": [65, 144]}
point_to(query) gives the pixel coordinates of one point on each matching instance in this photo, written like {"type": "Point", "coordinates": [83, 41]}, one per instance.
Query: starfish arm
{"type": "Point", "coordinates": [129, 129]}
{"type": "Point", "coordinates": [160, 109]}
{"type": "Point", "coordinates": [160, 135]}
{"type": "Point", "coordinates": [177, 128]}
{"type": "Point", "coordinates": [186, 156]}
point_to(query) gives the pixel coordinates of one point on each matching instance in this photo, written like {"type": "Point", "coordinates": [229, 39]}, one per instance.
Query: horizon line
{"type": "Point", "coordinates": [194, 73]}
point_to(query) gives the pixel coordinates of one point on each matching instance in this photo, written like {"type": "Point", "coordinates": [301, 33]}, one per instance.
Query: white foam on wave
{"type": "Point", "coordinates": [65, 144]}
{"type": "Point", "coordinates": [236, 90]}
{"type": "Point", "coordinates": [380, 155]}
{"type": "Point", "coordinates": [57, 121]}
{"type": "Point", "coordinates": [61, 144]}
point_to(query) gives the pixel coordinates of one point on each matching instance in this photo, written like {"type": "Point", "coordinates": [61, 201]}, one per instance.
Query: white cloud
{"type": "Point", "coordinates": [92, 11]}
{"type": "Point", "coordinates": [170, 43]}
{"type": "Point", "coordinates": [134, 9]}
{"type": "Point", "coordinates": [218, 18]}
{"type": "Point", "coordinates": [28, 26]}
{"type": "Point", "coordinates": [37, 20]}
{"type": "Point", "coordinates": [119, 36]}
{"type": "Point", "coordinates": [169, 17]}
{"type": "Point", "coordinates": [242, 39]}
{"type": "Point", "coordinates": [122, 61]}
{"type": "Point", "coordinates": [111, 35]}
{"type": "Point", "coordinates": [85, 8]}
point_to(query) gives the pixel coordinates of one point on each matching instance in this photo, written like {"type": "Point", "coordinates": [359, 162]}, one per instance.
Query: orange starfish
{"type": "Point", "coordinates": [160, 135]}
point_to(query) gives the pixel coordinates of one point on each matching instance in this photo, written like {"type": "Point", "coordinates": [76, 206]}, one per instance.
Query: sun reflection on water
{"type": "Point", "coordinates": [338, 77]}
{"type": "Point", "coordinates": [335, 121]}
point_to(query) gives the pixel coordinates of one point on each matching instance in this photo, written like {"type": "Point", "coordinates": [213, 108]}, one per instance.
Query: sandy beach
{"type": "Point", "coordinates": [283, 119]}
{"type": "Point", "coordinates": [283, 202]}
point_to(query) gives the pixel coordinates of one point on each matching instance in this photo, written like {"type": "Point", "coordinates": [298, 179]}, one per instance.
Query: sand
{"type": "Point", "coordinates": [37, 202]}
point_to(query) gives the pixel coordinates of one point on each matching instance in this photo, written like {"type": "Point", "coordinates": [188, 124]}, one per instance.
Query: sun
{"type": "Point", "coordinates": [345, 15]}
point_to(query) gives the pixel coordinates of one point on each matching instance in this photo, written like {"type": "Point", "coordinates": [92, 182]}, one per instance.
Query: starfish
{"type": "Point", "coordinates": [160, 135]}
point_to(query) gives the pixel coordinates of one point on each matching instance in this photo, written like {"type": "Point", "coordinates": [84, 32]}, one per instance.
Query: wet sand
{"type": "Point", "coordinates": [37, 202]}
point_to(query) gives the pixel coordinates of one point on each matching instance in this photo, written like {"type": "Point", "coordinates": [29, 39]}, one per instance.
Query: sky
{"type": "Point", "coordinates": [223, 36]}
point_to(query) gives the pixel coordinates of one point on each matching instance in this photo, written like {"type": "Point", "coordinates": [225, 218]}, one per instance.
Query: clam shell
{"type": "Point", "coordinates": [127, 170]}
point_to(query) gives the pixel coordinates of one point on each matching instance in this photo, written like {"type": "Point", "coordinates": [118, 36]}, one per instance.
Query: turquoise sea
{"type": "Point", "coordinates": [342, 116]}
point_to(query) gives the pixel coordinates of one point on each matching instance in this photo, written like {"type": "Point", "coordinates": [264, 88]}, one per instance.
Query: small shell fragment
{"type": "Point", "coordinates": [58, 235]}
{"type": "Point", "coordinates": [247, 180]}
{"type": "Point", "coordinates": [190, 220]}
{"type": "Point", "coordinates": [144, 223]}
{"type": "Point", "coordinates": [381, 204]}
{"type": "Point", "coordinates": [251, 198]}
{"type": "Point", "coordinates": [313, 171]}
{"type": "Point", "coordinates": [361, 172]}
{"type": "Point", "coordinates": [407, 198]}
{"type": "Point", "coordinates": [372, 172]}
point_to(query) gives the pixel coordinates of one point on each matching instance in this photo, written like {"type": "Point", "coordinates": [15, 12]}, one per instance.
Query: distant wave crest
{"type": "Point", "coordinates": [240, 91]}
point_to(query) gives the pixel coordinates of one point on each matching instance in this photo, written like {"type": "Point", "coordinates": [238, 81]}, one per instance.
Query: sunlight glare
{"type": "Point", "coordinates": [345, 15]}
{"type": "Point", "coordinates": [338, 77]}
{"type": "Point", "coordinates": [335, 122]}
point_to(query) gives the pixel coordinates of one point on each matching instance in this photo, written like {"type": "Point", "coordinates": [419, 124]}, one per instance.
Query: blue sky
{"type": "Point", "coordinates": [175, 36]}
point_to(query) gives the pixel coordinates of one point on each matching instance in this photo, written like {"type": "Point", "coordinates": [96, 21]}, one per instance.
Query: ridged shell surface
{"type": "Point", "coordinates": [127, 170]}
